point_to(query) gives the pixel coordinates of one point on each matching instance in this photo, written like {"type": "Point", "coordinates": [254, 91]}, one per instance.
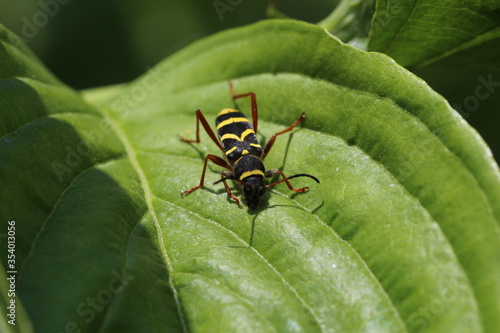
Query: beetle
{"type": "Point", "coordinates": [244, 156]}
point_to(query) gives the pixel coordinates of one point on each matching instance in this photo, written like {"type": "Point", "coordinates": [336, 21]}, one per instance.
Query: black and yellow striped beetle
{"type": "Point", "coordinates": [244, 155]}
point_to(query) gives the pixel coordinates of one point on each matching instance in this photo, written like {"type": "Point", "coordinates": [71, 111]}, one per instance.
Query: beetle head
{"type": "Point", "coordinates": [253, 189]}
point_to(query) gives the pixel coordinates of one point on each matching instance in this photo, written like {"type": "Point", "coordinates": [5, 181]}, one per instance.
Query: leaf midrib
{"type": "Point", "coordinates": [131, 153]}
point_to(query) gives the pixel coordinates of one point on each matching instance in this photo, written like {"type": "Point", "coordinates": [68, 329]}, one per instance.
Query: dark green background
{"type": "Point", "coordinates": [95, 43]}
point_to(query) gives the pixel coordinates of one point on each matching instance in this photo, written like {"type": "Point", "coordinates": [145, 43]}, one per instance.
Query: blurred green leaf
{"type": "Point", "coordinates": [402, 234]}
{"type": "Point", "coordinates": [351, 21]}
{"type": "Point", "coordinates": [418, 33]}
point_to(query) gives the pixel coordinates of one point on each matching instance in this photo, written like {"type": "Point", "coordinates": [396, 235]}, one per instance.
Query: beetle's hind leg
{"type": "Point", "coordinates": [253, 102]}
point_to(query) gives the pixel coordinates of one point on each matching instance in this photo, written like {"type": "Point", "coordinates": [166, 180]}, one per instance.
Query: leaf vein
{"type": "Point", "coordinates": [238, 238]}
{"type": "Point", "coordinates": [148, 195]}
{"type": "Point", "coordinates": [54, 116]}
{"type": "Point", "coordinates": [54, 207]}
{"type": "Point", "coordinates": [363, 262]}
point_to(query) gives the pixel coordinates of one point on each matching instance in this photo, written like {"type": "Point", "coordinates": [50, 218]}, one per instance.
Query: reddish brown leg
{"type": "Point", "coordinates": [217, 160]}
{"type": "Point", "coordinates": [270, 143]}
{"type": "Point", "coordinates": [223, 177]}
{"type": "Point", "coordinates": [285, 179]}
{"type": "Point", "coordinates": [253, 101]}
{"type": "Point", "coordinates": [201, 118]}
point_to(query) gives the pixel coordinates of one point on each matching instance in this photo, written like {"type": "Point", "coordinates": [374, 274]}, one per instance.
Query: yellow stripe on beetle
{"type": "Point", "coordinates": [230, 136]}
{"type": "Point", "coordinates": [231, 121]}
{"type": "Point", "coordinates": [230, 150]}
{"type": "Point", "coordinates": [246, 133]}
{"type": "Point", "coordinates": [226, 111]}
{"type": "Point", "coordinates": [251, 173]}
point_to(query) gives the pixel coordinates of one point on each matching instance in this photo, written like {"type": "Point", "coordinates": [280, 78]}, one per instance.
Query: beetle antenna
{"type": "Point", "coordinates": [294, 176]}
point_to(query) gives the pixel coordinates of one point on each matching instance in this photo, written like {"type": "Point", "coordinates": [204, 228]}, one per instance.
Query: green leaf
{"type": "Point", "coordinates": [402, 234]}
{"type": "Point", "coordinates": [351, 22]}
{"type": "Point", "coordinates": [418, 33]}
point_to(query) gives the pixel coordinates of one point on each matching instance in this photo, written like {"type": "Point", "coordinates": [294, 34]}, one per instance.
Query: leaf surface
{"type": "Point", "coordinates": [421, 32]}
{"type": "Point", "coordinates": [402, 234]}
